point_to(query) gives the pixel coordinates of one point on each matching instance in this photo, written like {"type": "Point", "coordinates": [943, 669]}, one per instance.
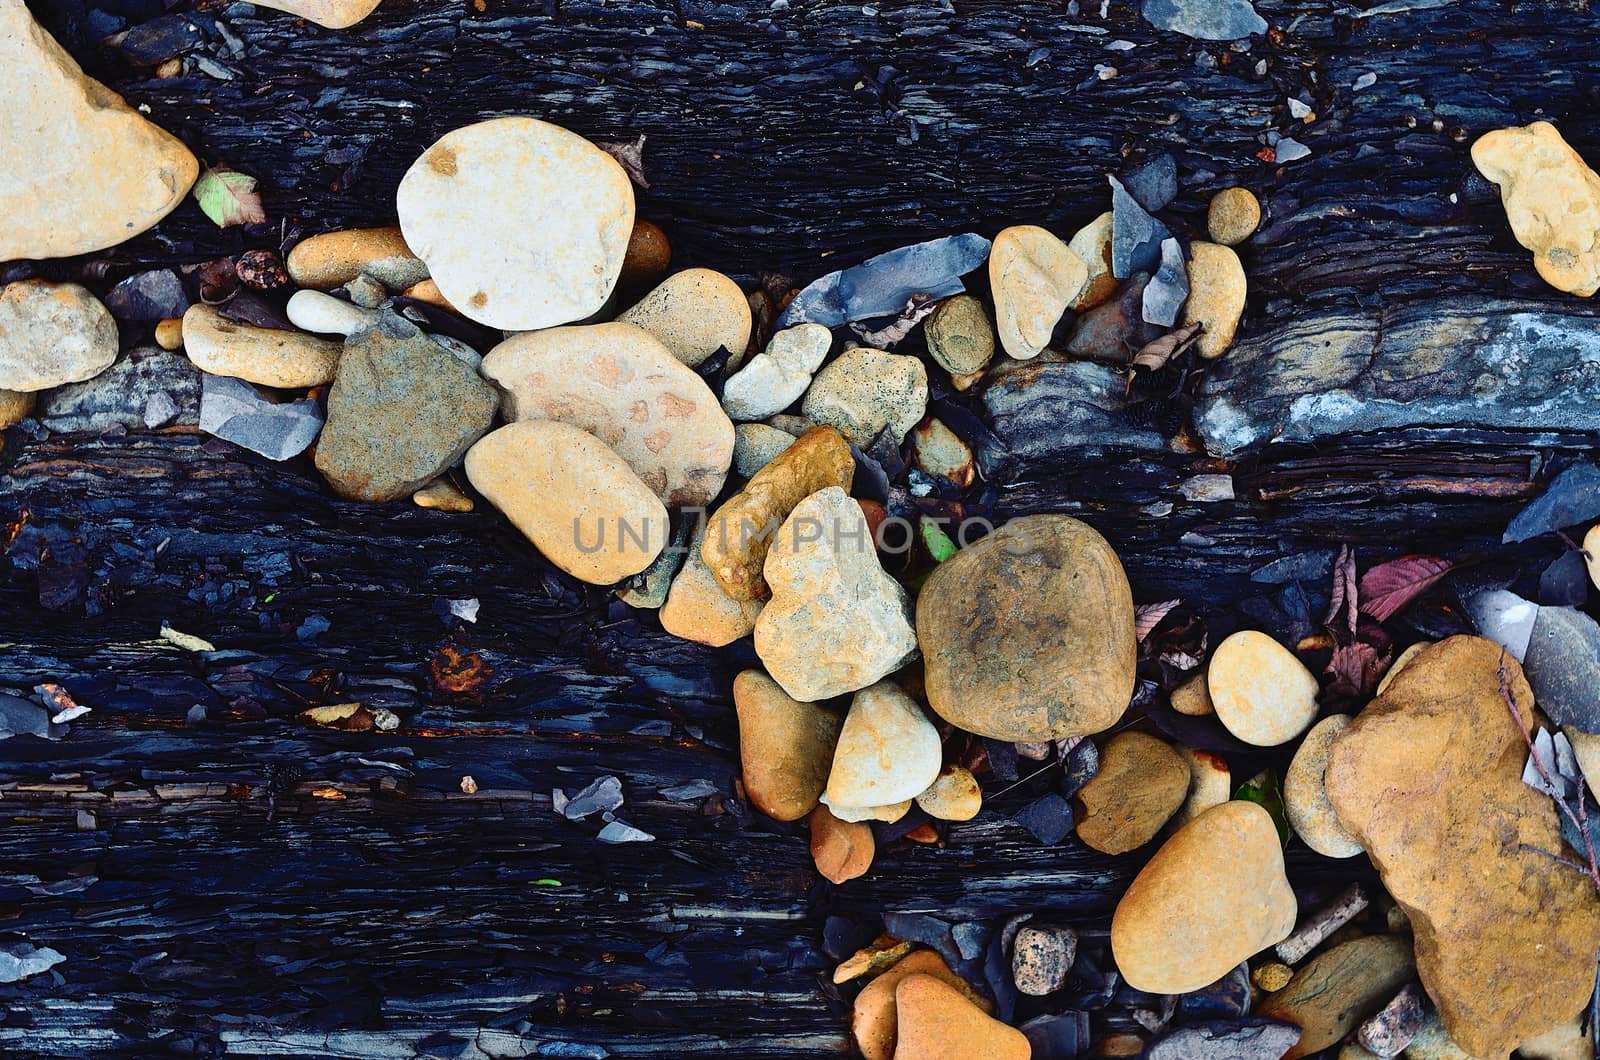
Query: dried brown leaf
{"type": "Point", "coordinates": [1387, 588]}
{"type": "Point", "coordinates": [1146, 617]}
{"type": "Point", "coordinates": [630, 156]}
{"type": "Point", "coordinates": [1155, 354]}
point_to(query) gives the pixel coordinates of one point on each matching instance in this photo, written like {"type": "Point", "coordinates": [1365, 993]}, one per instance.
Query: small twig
{"type": "Point", "coordinates": [1568, 862]}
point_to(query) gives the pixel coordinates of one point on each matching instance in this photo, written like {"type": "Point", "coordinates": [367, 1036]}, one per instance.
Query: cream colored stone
{"type": "Point", "coordinates": [1263, 694]}
{"type": "Point", "coordinates": [888, 812]}
{"type": "Point", "coordinates": [51, 334]}
{"type": "Point", "coordinates": [953, 796]}
{"type": "Point", "coordinates": [1305, 798]}
{"type": "Point", "coordinates": [1193, 697]}
{"type": "Point", "coordinates": [1210, 784]}
{"type": "Point", "coordinates": [1233, 216]}
{"type": "Point", "coordinates": [267, 356]}
{"type": "Point", "coordinates": [442, 495]}
{"type": "Point", "coordinates": [785, 747]}
{"type": "Point", "coordinates": [695, 313]}
{"type": "Point", "coordinates": [333, 14]}
{"type": "Point", "coordinates": [754, 446]}
{"type": "Point", "coordinates": [1551, 198]}
{"type": "Point", "coordinates": [327, 315]}
{"type": "Point", "coordinates": [1217, 289]}
{"type": "Point", "coordinates": [620, 384]}
{"type": "Point", "coordinates": [1399, 664]}
{"type": "Point", "coordinates": [778, 376]}
{"type": "Point", "coordinates": [865, 390]}
{"type": "Point", "coordinates": [888, 750]}
{"type": "Point", "coordinates": [15, 406]}
{"type": "Point", "coordinates": [1092, 243]}
{"type": "Point", "coordinates": [83, 171]}
{"type": "Point", "coordinates": [940, 452]}
{"type": "Point", "coordinates": [1033, 277]}
{"type": "Point", "coordinates": [697, 609]}
{"type": "Point", "coordinates": [574, 498]}
{"type": "Point", "coordinates": [522, 224]}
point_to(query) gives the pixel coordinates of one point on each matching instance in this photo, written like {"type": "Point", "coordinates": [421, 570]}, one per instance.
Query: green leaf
{"type": "Point", "coordinates": [229, 197]}
{"type": "Point", "coordinates": [1263, 790]}
{"type": "Point", "coordinates": [940, 547]}
{"type": "Point", "coordinates": [547, 882]}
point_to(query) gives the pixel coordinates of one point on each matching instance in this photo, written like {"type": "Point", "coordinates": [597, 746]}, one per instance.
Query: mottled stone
{"type": "Point", "coordinates": [1263, 694]}
{"type": "Point", "coordinates": [1338, 989]}
{"type": "Point", "coordinates": [695, 313]}
{"type": "Point", "coordinates": [290, 360]}
{"type": "Point", "coordinates": [865, 390]}
{"type": "Point", "coordinates": [1033, 277]}
{"type": "Point", "coordinates": [1142, 782]}
{"type": "Point", "coordinates": [1041, 958]}
{"type": "Point", "coordinates": [333, 14]}
{"type": "Point", "coordinates": [953, 796]}
{"type": "Point", "coordinates": [1233, 216]}
{"type": "Point", "coordinates": [1551, 198]}
{"type": "Point", "coordinates": [778, 376]}
{"type": "Point", "coordinates": [940, 452]}
{"type": "Point", "coordinates": [332, 259]}
{"type": "Point", "coordinates": [1205, 19]}
{"type": "Point", "coordinates": [1217, 289]}
{"type": "Point", "coordinates": [755, 445]}
{"type": "Point", "coordinates": [1305, 798]}
{"type": "Point", "coordinates": [1193, 697]}
{"type": "Point", "coordinates": [648, 256]}
{"type": "Point", "coordinates": [52, 333]}
{"type": "Point", "coordinates": [842, 850]}
{"type": "Point", "coordinates": [1251, 1039]}
{"type": "Point", "coordinates": [785, 747]}
{"type": "Point", "coordinates": [887, 752]}
{"type": "Point", "coordinates": [119, 396]}
{"type": "Point", "coordinates": [698, 609]}
{"type": "Point", "coordinates": [959, 334]}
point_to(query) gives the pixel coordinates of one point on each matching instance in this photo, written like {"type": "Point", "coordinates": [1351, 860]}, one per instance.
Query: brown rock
{"type": "Point", "coordinates": [1429, 779]}
{"type": "Point", "coordinates": [871, 959]}
{"type": "Point", "coordinates": [1338, 989]}
{"type": "Point", "coordinates": [1214, 895]}
{"type": "Point", "coordinates": [1028, 634]}
{"type": "Point", "coordinates": [741, 532]}
{"type": "Point", "coordinates": [873, 1020]}
{"type": "Point", "coordinates": [937, 1022]}
{"type": "Point", "coordinates": [1141, 783]}
{"type": "Point", "coordinates": [785, 746]}
{"type": "Point", "coordinates": [169, 333]}
{"type": "Point", "coordinates": [1400, 663]}
{"type": "Point", "coordinates": [648, 256]}
{"type": "Point", "coordinates": [1193, 697]}
{"type": "Point", "coordinates": [1092, 243]}
{"type": "Point", "coordinates": [1551, 198]}
{"type": "Point", "coordinates": [1233, 217]}
{"type": "Point", "coordinates": [842, 850]}
{"type": "Point", "coordinates": [332, 259]}
{"type": "Point", "coordinates": [1111, 330]}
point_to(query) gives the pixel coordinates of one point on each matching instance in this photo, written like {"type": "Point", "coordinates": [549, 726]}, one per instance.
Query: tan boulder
{"type": "Point", "coordinates": [1217, 290]}
{"type": "Point", "coordinates": [1338, 989]}
{"type": "Point", "coordinates": [333, 14]}
{"type": "Point", "coordinates": [52, 334]}
{"type": "Point", "coordinates": [332, 259]}
{"type": "Point", "coordinates": [576, 500]}
{"type": "Point", "coordinates": [785, 746]}
{"type": "Point", "coordinates": [1429, 780]}
{"type": "Point", "coordinates": [85, 171]}
{"type": "Point", "coordinates": [1033, 277]}
{"type": "Point", "coordinates": [1551, 198]}
{"type": "Point", "coordinates": [1141, 783]}
{"type": "Point", "coordinates": [1305, 798]}
{"type": "Point", "coordinates": [1214, 895]}
{"type": "Point", "coordinates": [874, 1018]}
{"type": "Point", "coordinates": [1233, 217]}
{"type": "Point", "coordinates": [888, 750]}
{"type": "Point", "coordinates": [696, 607]}
{"type": "Point", "coordinates": [1262, 693]}
{"type": "Point", "coordinates": [936, 1021]}
{"type": "Point", "coordinates": [695, 313]}
{"type": "Point", "coordinates": [291, 360]}
{"type": "Point", "coordinates": [1400, 663]}
{"type": "Point", "coordinates": [954, 796]}
{"type": "Point", "coordinates": [842, 850]}
{"type": "Point", "coordinates": [620, 384]}
{"type": "Point", "coordinates": [1028, 634]}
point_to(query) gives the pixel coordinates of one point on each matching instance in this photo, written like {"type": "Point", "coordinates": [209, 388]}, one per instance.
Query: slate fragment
{"type": "Point", "coordinates": [1136, 237]}
{"type": "Point", "coordinates": [1205, 19]}
{"type": "Point", "coordinates": [881, 286]}
{"type": "Point", "coordinates": [235, 411]}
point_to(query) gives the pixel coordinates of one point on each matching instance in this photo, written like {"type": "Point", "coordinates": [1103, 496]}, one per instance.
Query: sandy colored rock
{"type": "Point", "coordinates": [333, 14]}
{"type": "Point", "coordinates": [842, 850]}
{"type": "Point", "coordinates": [785, 746]}
{"type": "Point", "coordinates": [15, 406]}
{"type": "Point", "coordinates": [620, 384]}
{"type": "Point", "coordinates": [1233, 217]}
{"type": "Point", "coordinates": [169, 334]}
{"type": "Point", "coordinates": [959, 335]}
{"type": "Point", "coordinates": [332, 259]}
{"type": "Point", "coordinates": [1033, 277]}
{"type": "Point", "coordinates": [574, 498]}
{"type": "Point", "coordinates": [1262, 693]}
{"type": "Point", "coordinates": [1568, 1041]}
{"type": "Point", "coordinates": [86, 170]}
{"type": "Point", "coordinates": [837, 621]}
{"type": "Point", "coordinates": [291, 360]}
{"type": "Point", "coordinates": [1215, 894]}
{"type": "Point", "coordinates": [1028, 634]}
{"type": "Point", "coordinates": [953, 796]}
{"type": "Point", "coordinates": [442, 495]}
{"type": "Point", "coordinates": [1337, 989]}
{"type": "Point", "coordinates": [1400, 663]}
{"type": "Point", "coordinates": [776, 378]}
{"type": "Point", "coordinates": [940, 452]}
{"type": "Point", "coordinates": [871, 959]}
{"type": "Point", "coordinates": [755, 445]}
{"type": "Point", "coordinates": [695, 313]}
{"type": "Point", "coordinates": [1193, 697]}
{"type": "Point", "coordinates": [1141, 783]}
{"type": "Point", "coordinates": [865, 390]}
{"type": "Point", "coordinates": [522, 224]}
{"type": "Point", "coordinates": [1586, 749]}
{"type": "Point", "coordinates": [1210, 784]}
{"type": "Point", "coordinates": [1306, 799]}
{"type": "Point", "coordinates": [52, 333]}
{"type": "Point", "coordinates": [1428, 778]}
{"type": "Point", "coordinates": [1092, 243]}
{"type": "Point", "coordinates": [936, 1022]}
{"type": "Point", "coordinates": [1271, 977]}
{"type": "Point", "coordinates": [1551, 198]}
{"type": "Point", "coordinates": [873, 1020]}
{"type": "Point", "coordinates": [697, 609]}
{"type": "Point", "coordinates": [740, 533]}
{"type": "Point", "coordinates": [1217, 290]}
{"type": "Point", "coordinates": [888, 750]}
{"type": "Point", "coordinates": [648, 256]}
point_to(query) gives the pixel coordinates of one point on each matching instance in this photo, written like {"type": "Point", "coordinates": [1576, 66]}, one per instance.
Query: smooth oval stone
{"type": "Point", "coordinates": [1233, 216]}
{"type": "Point", "coordinates": [52, 334]}
{"type": "Point", "coordinates": [1093, 243]}
{"type": "Point", "coordinates": [864, 391]}
{"type": "Point", "coordinates": [959, 335]}
{"type": "Point", "coordinates": [874, 1018]}
{"type": "Point", "coordinates": [1338, 989]}
{"type": "Point", "coordinates": [778, 376]}
{"type": "Point", "coordinates": [85, 171]}
{"type": "Point", "coordinates": [842, 850]}
{"type": "Point", "coordinates": [1305, 797]}
{"type": "Point", "coordinates": [522, 224]}
{"type": "Point", "coordinates": [1263, 694]}
{"type": "Point", "coordinates": [1551, 198]}
{"type": "Point", "coordinates": [1141, 784]}
{"type": "Point", "coordinates": [623, 386]}
{"type": "Point", "coordinates": [327, 315]}
{"type": "Point", "coordinates": [936, 1021]}
{"type": "Point", "coordinates": [578, 501]}
{"type": "Point", "coordinates": [696, 607]}
{"type": "Point", "coordinates": [1217, 289]}
{"type": "Point", "coordinates": [333, 14]}
{"type": "Point", "coordinates": [648, 256]}
{"type": "Point", "coordinates": [333, 259]}
{"type": "Point", "coordinates": [695, 313]}
{"type": "Point", "coordinates": [1215, 894]}
{"type": "Point", "coordinates": [1041, 958]}
{"type": "Point", "coordinates": [785, 746]}
{"type": "Point", "coordinates": [1033, 277]}
{"type": "Point", "coordinates": [954, 796]}
{"type": "Point", "coordinates": [290, 360]}
{"type": "Point", "coordinates": [1028, 634]}
{"type": "Point", "coordinates": [888, 750]}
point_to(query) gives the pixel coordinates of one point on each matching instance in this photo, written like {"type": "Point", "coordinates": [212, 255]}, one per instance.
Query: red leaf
{"type": "Point", "coordinates": [1355, 669]}
{"type": "Point", "coordinates": [1387, 588]}
{"type": "Point", "coordinates": [1146, 617]}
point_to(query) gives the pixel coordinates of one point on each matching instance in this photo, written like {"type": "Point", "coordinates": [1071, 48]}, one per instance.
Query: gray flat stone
{"type": "Point", "coordinates": [1563, 667]}
{"type": "Point", "coordinates": [1205, 19]}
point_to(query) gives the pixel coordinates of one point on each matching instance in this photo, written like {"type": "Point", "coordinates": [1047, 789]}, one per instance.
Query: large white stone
{"type": "Point", "coordinates": [52, 333]}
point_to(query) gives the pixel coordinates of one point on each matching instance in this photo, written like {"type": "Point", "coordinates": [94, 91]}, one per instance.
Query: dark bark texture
{"type": "Point", "coordinates": [231, 881]}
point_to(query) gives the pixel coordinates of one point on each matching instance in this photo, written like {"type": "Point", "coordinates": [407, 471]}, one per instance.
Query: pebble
{"type": "Point", "coordinates": [741, 532]}
{"type": "Point", "coordinates": [937, 1021]}
{"type": "Point", "coordinates": [1136, 237]}
{"type": "Point", "coordinates": [778, 376]}
{"type": "Point", "coordinates": [1233, 217]}
{"type": "Point", "coordinates": [1400, 663]}
{"type": "Point", "coordinates": [1216, 296]}
{"type": "Point", "coordinates": [1033, 277]}
{"type": "Point", "coordinates": [365, 292]}
{"type": "Point", "coordinates": [1429, 780]}
{"type": "Point", "coordinates": [332, 259]}
{"type": "Point", "coordinates": [874, 1019]}
{"type": "Point", "coordinates": [15, 406]}
{"type": "Point", "coordinates": [1041, 958]}
{"type": "Point", "coordinates": [648, 256]}
{"type": "Point", "coordinates": [755, 445]}
{"type": "Point", "coordinates": [52, 333]}
{"type": "Point", "coordinates": [1249, 1039]}
{"type": "Point", "coordinates": [1271, 977]}
{"type": "Point", "coordinates": [620, 384]}
{"type": "Point", "coordinates": [1333, 992]}
{"type": "Point", "coordinates": [260, 269]}
{"type": "Point", "coordinates": [332, 14]}
{"type": "Point", "coordinates": [1591, 545]}
{"type": "Point", "coordinates": [1193, 697]}
{"type": "Point", "coordinates": [122, 394]}
{"type": "Point", "coordinates": [954, 796]}
{"type": "Point", "coordinates": [698, 609]}
{"type": "Point", "coordinates": [865, 390]}
{"type": "Point", "coordinates": [785, 747]}
{"type": "Point", "coordinates": [1262, 693]}
{"type": "Point", "coordinates": [1210, 784]}
{"type": "Point", "coordinates": [402, 410]}
{"type": "Point", "coordinates": [323, 313]}
{"type": "Point", "coordinates": [1551, 198]}
{"type": "Point", "coordinates": [1218, 884]}
{"type": "Point", "coordinates": [842, 850]}
{"type": "Point", "coordinates": [959, 335]}
{"type": "Point", "coordinates": [523, 225]}
{"type": "Point", "coordinates": [794, 425]}
{"type": "Point", "coordinates": [110, 174]}
{"type": "Point", "coordinates": [1048, 817]}
{"type": "Point", "coordinates": [1563, 667]}
{"type": "Point", "coordinates": [1029, 635]}
{"type": "Point", "coordinates": [169, 334]}
{"type": "Point", "coordinates": [235, 411]}
{"type": "Point", "coordinates": [940, 452]}
{"type": "Point", "coordinates": [695, 313]}
{"type": "Point", "coordinates": [1092, 243]}
{"type": "Point", "coordinates": [442, 495]}
{"type": "Point", "coordinates": [578, 501]}
{"type": "Point", "coordinates": [290, 360]}
{"type": "Point", "coordinates": [1142, 782]}
{"type": "Point", "coordinates": [146, 297]}
{"type": "Point", "coordinates": [1305, 798]}
{"type": "Point", "coordinates": [888, 750]}
{"type": "Point", "coordinates": [427, 291]}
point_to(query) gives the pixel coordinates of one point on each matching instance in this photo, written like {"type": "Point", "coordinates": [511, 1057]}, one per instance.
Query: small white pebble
{"type": "Point", "coordinates": [1297, 108]}
{"type": "Point", "coordinates": [1105, 73]}
{"type": "Point", "coordinates": [469, 786]}
{"type": "Point", "coordinates": [385, 720]}
{"type": "Point", "coordinates": [1121, 46]}
{"type": "Point", "coordinates": [1366, 80]}
{"type": "Point", "coordinates": [1261, 68]}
